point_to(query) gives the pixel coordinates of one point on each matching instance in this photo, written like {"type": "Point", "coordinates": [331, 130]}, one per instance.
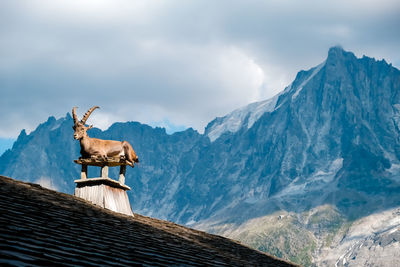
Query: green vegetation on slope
{"type": "Point", "coordinates": [288, 235]}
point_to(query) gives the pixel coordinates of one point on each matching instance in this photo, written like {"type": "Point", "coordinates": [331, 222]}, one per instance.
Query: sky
{"type": "Point", "coordinates": [174, 64]}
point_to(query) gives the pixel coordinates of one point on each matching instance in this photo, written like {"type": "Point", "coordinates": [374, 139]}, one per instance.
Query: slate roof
{"type": "Point", "coordinates": [43, 227]}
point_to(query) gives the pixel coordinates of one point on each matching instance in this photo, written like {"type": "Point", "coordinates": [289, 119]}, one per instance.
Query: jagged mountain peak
{"type": "Point", "coordinates": [337, 52]}
{"type": "Point", "coordinates": [247, 115]}
{"type": "Point", "coordinates": [337, 71]}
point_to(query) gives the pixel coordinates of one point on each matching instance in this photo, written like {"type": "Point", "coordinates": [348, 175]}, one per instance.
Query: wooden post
{"type": "Point", "coordinates": [84, 172]}
{"type": "Point", "coordinates": [104, 172]}
{"type": "Point", "coordinates": [122, 171]}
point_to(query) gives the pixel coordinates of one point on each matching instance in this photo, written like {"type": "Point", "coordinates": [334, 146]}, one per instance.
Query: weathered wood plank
{"type": "Point", "coordinates": [116, 200]}
{"type": "Point", "coordinates": [106, 196]}
{"type": "Point", "coordinates": [112, 162]}
{"type": "Point", "coordinates": [99, 180]}
{"type": "Point", "coordinates": [94, 194]}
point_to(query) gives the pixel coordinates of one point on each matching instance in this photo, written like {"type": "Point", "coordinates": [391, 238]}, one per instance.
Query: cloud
{"type": "Point", "coordinates": [170, 61]}
{"type": "Point", "coordinates": [47, 183]}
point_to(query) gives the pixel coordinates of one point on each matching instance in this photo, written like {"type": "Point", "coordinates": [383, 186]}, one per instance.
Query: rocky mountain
{"type": "Point", "coordinates": [46, 156]}
{"type": "Point", "coordinates": [290, 175]}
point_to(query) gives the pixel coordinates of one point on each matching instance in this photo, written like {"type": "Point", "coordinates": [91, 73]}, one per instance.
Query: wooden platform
{"type": "Point", "coordinates": [96, 181]}
{"type": "Point", "coordinates": [100, 162]}
{"type": "Point", "coordinates": [104, 163]}
{"type": "Point", "coordinates": [104, 191]}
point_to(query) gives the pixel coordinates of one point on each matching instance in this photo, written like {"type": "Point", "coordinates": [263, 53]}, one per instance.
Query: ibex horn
{"type": "Point", "coordinates": [74, 115]}
{"type": "Point", "coordinates": [87, 114]}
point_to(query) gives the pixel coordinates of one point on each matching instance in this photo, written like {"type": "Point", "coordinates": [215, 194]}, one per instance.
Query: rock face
{"type": "Point", "coordinates": [373, 240]}
{"type": "Point", "coordinates": [384, 246]}
{"type": "Point", "coordinates": [330, 139]}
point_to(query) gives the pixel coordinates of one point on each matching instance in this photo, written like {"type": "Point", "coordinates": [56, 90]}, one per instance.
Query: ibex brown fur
{"type": "Point", "coordinates": [93, 147]}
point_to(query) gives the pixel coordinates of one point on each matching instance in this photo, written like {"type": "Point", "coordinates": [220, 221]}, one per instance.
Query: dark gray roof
{"type": "Point", "coordinates": [44, 227]}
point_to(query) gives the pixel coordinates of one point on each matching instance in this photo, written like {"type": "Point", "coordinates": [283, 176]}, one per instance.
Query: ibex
{"type": "Point", "coordinates": [93, 147]}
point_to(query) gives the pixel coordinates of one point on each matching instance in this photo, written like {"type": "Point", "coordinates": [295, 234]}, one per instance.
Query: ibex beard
{"type": "Point", "coordinates": [94, 147]}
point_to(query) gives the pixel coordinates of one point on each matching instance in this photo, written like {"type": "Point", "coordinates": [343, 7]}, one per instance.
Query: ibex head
{"type": "Point", "coordinates": [79, 125]}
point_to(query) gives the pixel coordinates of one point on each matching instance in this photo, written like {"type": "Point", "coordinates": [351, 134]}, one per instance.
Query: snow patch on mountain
{"type": "Point", "coordinates": [319, 179]}
{"type": "Point", "coordinates": [370, 241]}
{"type": "Point", "coordinates": [237, 118]}
{"type": "Point", "coordinates": [57, 124]}
{"type": "Point", "coordinates": [248, 115]}
{"type": "Point", "coordinates": [301, 86]}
